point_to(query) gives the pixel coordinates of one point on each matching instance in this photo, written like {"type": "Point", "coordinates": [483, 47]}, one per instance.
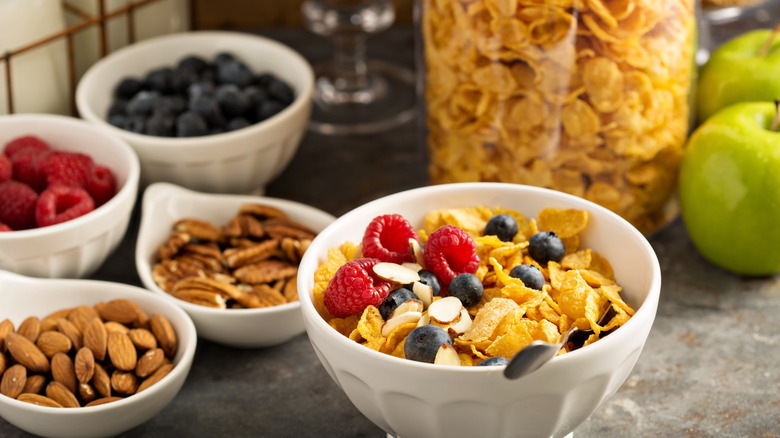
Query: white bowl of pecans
{"type": "Point", "coordinates": [86, 358]}
{"type": "Point", "coordinates": [230, 261]}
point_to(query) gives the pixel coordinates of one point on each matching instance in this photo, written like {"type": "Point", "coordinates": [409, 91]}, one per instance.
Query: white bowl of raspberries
{"type": "Point", "coordinates": [425, 354]}
{"type": "Point", "coordinates": [67, 191]}
{"type": "Point", "coordinates": [212, 111]}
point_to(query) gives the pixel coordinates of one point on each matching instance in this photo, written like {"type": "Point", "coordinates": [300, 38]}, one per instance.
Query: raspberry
{"type": "Point", "coordinates": [27, 142]}
{"type": "Point", "coordinates": [60, 203]}
{"type": "Point", "coordinates": [101, 185]}
{"type": "Point", "coordinates": [4, 227]}
{"type": "Point", "coordinates": [68, 168]}
{"type": "Point", "coordinates": [26, 165]}
{"type": "Point", "coordinates": [6, 169]}
{"type": "Point", "coordinates": [354, 287]}
{"type": "Point", "coordinates": [17, 205]}
{"type": "Point", "coordinates": [387, 238]}
{"type": "Point", "coordinates": [451, 251]}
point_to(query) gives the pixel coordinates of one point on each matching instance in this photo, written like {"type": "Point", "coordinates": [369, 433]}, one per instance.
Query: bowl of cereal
{"type": "Point", "coordinates": [419, 364]}
{"type": "Point", "coordinates": [230, 261]}
{"type": "Point", "coordinates": [213, 111]}
{"type": "Point", "coordinates": [67, 197]}
{"type": "Point", "coordinates": [87, 358]}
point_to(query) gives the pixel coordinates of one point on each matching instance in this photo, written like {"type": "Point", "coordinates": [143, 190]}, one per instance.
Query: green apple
{"type": "Point", "coordinates": [744, 69]}
{"type": "Point", "coordinates": [729, 189]}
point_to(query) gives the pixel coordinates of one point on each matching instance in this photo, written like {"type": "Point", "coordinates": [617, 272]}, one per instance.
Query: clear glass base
{"type": "Point", "coordinates": [387, 100]}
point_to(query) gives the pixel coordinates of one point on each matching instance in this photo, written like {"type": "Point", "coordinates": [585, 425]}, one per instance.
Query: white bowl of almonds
{"type": "Point", "coordinates": [434, 361]}
{"type": "Point", "coordinates": [230, 261]}
{"type": "Point", "coordinates": [86, 358]}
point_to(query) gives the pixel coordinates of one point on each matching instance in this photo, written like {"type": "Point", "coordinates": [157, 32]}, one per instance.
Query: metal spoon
{"type": "Point", "coordinates": [538, 353]}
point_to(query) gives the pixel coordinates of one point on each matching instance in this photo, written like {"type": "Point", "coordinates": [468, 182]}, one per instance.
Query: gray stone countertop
{"type": "Point", "coordinates": [709, 368]}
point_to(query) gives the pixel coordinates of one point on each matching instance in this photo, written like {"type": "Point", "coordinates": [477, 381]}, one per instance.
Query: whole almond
{"type": "Point", "coordinates": [142, 321]}
{"type": "Point", "coordinates": [163, 331]}
{"type": "Point", "coordinates": [124, 382]}
{"type": "Point", "coordinates": [82, 315]}
{"type": "Point", "coordinates": [5, 327]}
{"type": "Point", "coordinates": [154, 378]}
{"type": "Point", "coordinates": [149, 362]}
{"type": "Point", "coordinates": [113, 326]}
{"type": "Point", "coordinates": [3, 363]}
{"type": "Point", "coordinates": [14, 379]}
{"type": "Point", "coordinates": [50, 321]}
{"type": "Point", "coordinates": [121, 351]}
{"type": "Point", "coordinates": [62, 395]}
{"type": "Point", "coordinates": [84, 365]}
{"type": "Point", "coordinates": [35, 384]}
{"type": "Point", "coordinates": [53, 342]}
{"type": "Point", "coordinates": [142, 338]}
{"type": "Point", "coordinates": [87, 393]}
{"type": "Point", "coordinates": [102, 401]}
{"type": "Point", "coordinates": [30, 328]}
{"type": "Point", "coordinates": [40, 400]}
{"type": "Point", "coordinates": [101, 381]}
{"type": "Point", "coordinates": [27, 353]}
{"type": "Point", "coordinates": [71, 331]}
{"type": "Point", "coordinates": [120, 310]}
{"type": "Point", "coordinates": [63, 371]}
{"type": "Point", "coordinates": [96, 338]}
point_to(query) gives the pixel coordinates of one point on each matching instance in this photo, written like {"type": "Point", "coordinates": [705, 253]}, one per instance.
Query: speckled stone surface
{"type": "Point", "coordinates": [710, 366]}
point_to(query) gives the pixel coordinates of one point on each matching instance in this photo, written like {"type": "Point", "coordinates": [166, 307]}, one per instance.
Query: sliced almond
{"type": "Point", "coordinates": [53, 342]}
{"type": "Point", "coordinates": [30, 328]}
{"type": "Point", "coordinates": [35, 384]}
{"type": "Point", "coordinates": [120, 310]}
{"type": "Point", "coordinates": [84, 365]}
{"type": "Point", "coordinates": [425, 319]}
{"type": "Point", "coordinates": [27, 353]}
{"type": "Point", "coordinates": [142, 338]}
{"type": "Point", "coordinates": [121, 351]}
{"type": "Point", "coordinates": [395, 273]}
{"type": "Point", "coordinates": [462, 325]}
{"type": "Point", "coordinates": [155, 377]}
{"type": "Point", "coordinates": [412, 266]}
{"type": "Point", "coordinates": [447, 355]}
{"type": "Point", "coordinates": [410, 305]}
{"type": "Point", "coordinates": [149, 362]}
{"type": "Point", "coordinates": [163, 331]}
{"type": "Point", "coordinates": [423, 292]}
{"type": "Point", "coordinates": [445, 311]}
{"type": "Point", "coordinates": [96, 338]}
{"type": "Point", "coordinates": [13, 381]}
{"type": "Point", "coordinates": [62, 370]}
{"type": "Point", "coordinates": [40, 400]}
{"type": "Point", "coordinates": [124, 382]}
{"type": "Point", "coordinates": [102, 401]}
{"type": "Point", "coordinates": [404, 318]}
{"type": "Point", "coordinates": [417, 253]}
{"type": "Point", "coordinates": [62, 395]}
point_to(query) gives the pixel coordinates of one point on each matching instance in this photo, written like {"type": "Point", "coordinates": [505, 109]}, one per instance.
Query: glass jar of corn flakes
{"type": "Point", "coordinates": [588, 97]}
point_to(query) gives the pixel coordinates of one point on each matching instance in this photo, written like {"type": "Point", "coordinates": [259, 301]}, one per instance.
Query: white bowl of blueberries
{"type": "Point", "coordinates": [212, 111]}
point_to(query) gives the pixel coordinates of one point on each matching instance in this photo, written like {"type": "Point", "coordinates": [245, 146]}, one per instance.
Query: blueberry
{"type": "Point", "coordinates": [194, 63]}
{"type": "Point", "coordinates": [231, 100]}
{"type": "Point", "coordinates": [159, 80]}
{"type": "Point", "coordinates": [280, 91]}
{"type": "Point", "coordinates": [127, 88]}
{"type": "Point", "coordinates": [171, 105]}
{"type": "Point", "coordinates": [493, 361]}
{"type": "Point", "coordinates": [161, 125]}
{"type": "Point", "coordinates": [118, 120]}
{"type": "Point", "coordinates": [135, 124]}
{"type": "Point", "coordinates": [530, 275]}
{"type": "Point", "coordinates": [467, 288]}
{"type": "Point", "coordinates": [182, 78]}
{"type": "Point", "coordinates": [237, 123]}
{"type": "Point", "coordinates": [545, 246]}
{"type": "Point", "coordinates": [223, 58]}
{"type": "Point", "coordinates": [428, 278]}
{"type": "Point", "coordinates": [142, 103]}
{"type": "Point", "coordinates": [255, 94]}
{"type": "Point", "coordinates": [268, 109]}
{"type": "Point", "coordinates": [118, 106]}
{"type": "Point", "coordinates": [234, 72]}
{"type": "Point", "coordinates": [208, 109]}
{"type": "Point", "coordinates": [201, 88]}
{"type": "Point", "coordinates": [502, 226]}
{"type": "Point", "coordinates": [424, 342]}
{"type": "Point", "coordinates": [395, 298]}
{"type": "Point", "coordinates": [264, 79]}
{"type": "Point", "coordinates": [190, 124]}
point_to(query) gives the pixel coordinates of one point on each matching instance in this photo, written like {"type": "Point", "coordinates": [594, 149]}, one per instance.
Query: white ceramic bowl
{"type": "Point", "coordinates": [412, 399]}
{"type": "Point", "coordinates": [162, 205]}
{"type": "Point", "coordinates": [241, 161]}
{"type": "Point", "coordinates": [78, 247]}
{"type": "Point", "coordinates": [26, 296]}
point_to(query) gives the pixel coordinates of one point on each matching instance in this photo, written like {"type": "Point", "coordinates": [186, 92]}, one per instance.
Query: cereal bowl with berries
{"type": "Point", "coordinates": [213, 111]}
{"type": "Point", "coordinates": [87, 358]}
{"type": "Point", "coordinates": [230, 261]}
{"type": "Point", "coordinates": [414, 303]}
{"type": "Point", "coordinates": [67, 191]}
